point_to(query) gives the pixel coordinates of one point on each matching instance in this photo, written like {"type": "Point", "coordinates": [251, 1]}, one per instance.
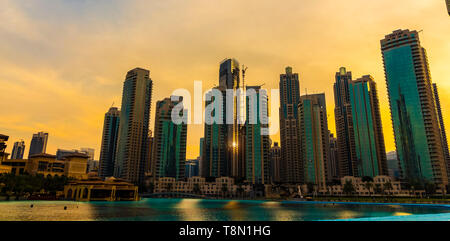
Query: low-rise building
{"type": "Point", "coordinates": [94, 189]}
{"type": "Point", "coordinates": [73, 166]}
{"type": "Point", "coordinates": [198, 185]}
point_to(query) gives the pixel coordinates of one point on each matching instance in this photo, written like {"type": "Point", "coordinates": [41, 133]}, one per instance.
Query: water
{"type": "Point", "coordinates": [214, 210]}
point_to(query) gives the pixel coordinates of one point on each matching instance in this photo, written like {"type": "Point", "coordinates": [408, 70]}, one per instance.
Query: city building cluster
{"type": "Point", "coordinates": [236, 157]}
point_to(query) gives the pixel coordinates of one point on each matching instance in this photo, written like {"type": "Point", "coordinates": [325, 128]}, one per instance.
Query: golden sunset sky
{"type": "Point", "coordinates": [63, 63]}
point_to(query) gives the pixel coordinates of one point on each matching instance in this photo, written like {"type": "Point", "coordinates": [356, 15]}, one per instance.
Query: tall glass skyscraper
{"type": "Point", "coordinates": [368, 132]}
{"type": "Point", "coordinates": [214, 157]}
{"type": "Point", "coordinates": [314, 137]}
{"type": "Point", "coordinates": [221, 141]}
{"type": "Point", "coordinates": [18, 150]}
{"type": "Point", "coordinates": [413, 110]}
{"type": "Point", "coordinates": [169, 143]}
{"type": "Point", "coordinates": [442, 127]}
{"type": "Point", "coordinates": [38, 144]}
{"type": "Point", "coordinates": [109, 142]}
{"type": "Point", "coordinates": [257, 143]}
{"type": "Point", "coordinates": [344, 124]}
{"type": "Point", "coordinates": [133, 127]}
{"type": "Point", "coordinates": [229, 78]}
{"type": "Point", "coordinates": [291, 165]}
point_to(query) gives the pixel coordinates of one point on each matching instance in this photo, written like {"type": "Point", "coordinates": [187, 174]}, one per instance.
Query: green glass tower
{"type": "Point", "coordinates": [314, 137]}
{"type": "Point", "coordinates": [368, 132]}
{"type": "Point", "coordinates": [169, 143]}
{"type": "Point", "coordinates": [257, 143]}
{"type": "Point", "coordinates": [413, 111]}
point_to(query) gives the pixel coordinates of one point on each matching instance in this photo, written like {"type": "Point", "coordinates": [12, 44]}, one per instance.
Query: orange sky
{"type": "Point", "coordinates": [63, 63]}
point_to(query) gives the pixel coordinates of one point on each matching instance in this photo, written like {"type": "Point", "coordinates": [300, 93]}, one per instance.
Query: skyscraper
{"type": "Point", "coordinates": [448, 6]}
{"type": "Point", "coordinates": [413, 111]}
{"type": "Point", "coordinates": [229, 78]}
{"type": "Point", "coordinates": [275, 162]}
{"type": "Point", "coordinates": [334, 157]}
{"type": "Point", "coordinates": [109, 142]}
{"type": "Point", "coordinates": [291, 166]}
{"type": "Point", "coordinates": [257, 143]}
{"type": "Point", "coordinates": [368, 131]}
{"type": "Point", "coordinates": [18, 150]}
{"type": "Point", "coordinates": [314, 139]}
{"type": "Point", "coordinates": [169, 145]}
{"type": "Point", "coordinates": [38, 144]}
{"type": "Point", "coordinates": [3, 140]}
{"type": "Point", "coordinates": [133, 128]}
{"type": "Point", "coordinates": [220, 156]}
{"type": "Point", "coordinates": [344, 124]}
{"type": "Point", "coordinates": [148, 156]}
{"type": "Point", "coordinates": [442, 127]}
{"type": "Point", "coordinates": [214, 156]}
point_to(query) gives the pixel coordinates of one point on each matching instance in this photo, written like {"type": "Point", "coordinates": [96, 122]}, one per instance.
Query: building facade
{"type": "Point", "coordinates": [18, 150]}
{"type": "Point", "coordinates": [275, 163]}
{"type": "Point", "coordinates": [344, 124]}
{"type": "Point", "coordinates": [334, 157]}
{"type": "Point", "coordinates": [38, 143]}
{"type": "Point", "coordinates": [109, 142]}
{"type": "Point", "coordinates": [291, 165]}
{"type": "Point", "coordinates": [442, 127]}
{"type": "Point", "coordinates": [367, 129]}
{"type": "Point", "coordinates": [413, 110]}
{"type": "Point", "coordinates": [133, 128]}
{"type": "Point", "coordinates": [169, 143]}
{"type": "Point", "coordinates": [257, 141]}
{"type": "Point", "coordinates": [314, 139]}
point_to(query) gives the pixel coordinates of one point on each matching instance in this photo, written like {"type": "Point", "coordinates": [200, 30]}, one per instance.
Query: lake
{"type": "Point", "coordinates": [215, 210]}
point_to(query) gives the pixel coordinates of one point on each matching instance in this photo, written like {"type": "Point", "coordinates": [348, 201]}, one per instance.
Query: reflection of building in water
{"type": "Point", "coordinates": [94, 189]}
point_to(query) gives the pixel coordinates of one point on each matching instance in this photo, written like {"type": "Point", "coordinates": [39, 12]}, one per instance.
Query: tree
{"type": "Point", "coordinates": [369, 185]}
{"type": "Point", "coordinates": [348, 189]}
{"type": "Point", "coordinates": [224, 189]}
{"type": "Point", "coordinates": [388, 186]}
{"type": "Point", "coordinates": [196, 189]}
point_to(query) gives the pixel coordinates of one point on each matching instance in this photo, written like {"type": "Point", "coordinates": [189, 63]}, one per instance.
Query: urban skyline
{"type": "Point", "coordinates": [94, 108]}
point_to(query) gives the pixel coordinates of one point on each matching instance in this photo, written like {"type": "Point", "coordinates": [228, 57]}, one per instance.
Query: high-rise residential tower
{"type": "Point", "coordinates": [257, 141]}
{"type": "Point", "coordinates": [367, 129]}
{"type": "Point", "coordinates": [442, 127]}
{"type": "Point", "coordinates": [334, 158]}
{"type": "Point", "coordinates": [291, 165]}
{"type": "Point", "coordinates": [169, 143]}
{"type": "Point", "coordinates": [314, 139]}
{"type": "Point", "coordinates": [413, 111]}
{"type": "Point", "coordinates": [275, 163]}
{"type": "Point", "coordinates": [220, 155]}
{"type": "Point", "coordinates": [229, 78]}
{"type": "Point", "coordinates": [18, 150]}
{"type": "Point", "coordinates": [38, 144]}
{"type": "Point", "coordinates": [344, 124]}
{"type": "Point", "coordinates": [3, 154]}
{"type": "Point", "coordinates": [214, 156]}
{"type": "Point", "coordinates": [133, 128]}
{"type": "Point", "coordinates": [109, 142]}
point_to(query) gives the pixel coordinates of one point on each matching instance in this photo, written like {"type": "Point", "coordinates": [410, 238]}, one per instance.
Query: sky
{"type": "Point", "coordinates": [63, 63]}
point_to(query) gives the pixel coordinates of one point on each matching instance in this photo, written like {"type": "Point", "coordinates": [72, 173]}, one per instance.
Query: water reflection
{"type": "Point", "coordinates": [207, 210]}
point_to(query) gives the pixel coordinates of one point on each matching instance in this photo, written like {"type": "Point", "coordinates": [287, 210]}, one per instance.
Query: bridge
{"type": "Point", "coordinates": [172, 194]}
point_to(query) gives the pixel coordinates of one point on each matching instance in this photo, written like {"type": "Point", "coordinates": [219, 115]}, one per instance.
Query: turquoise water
{"type": "Point", "coordinates": [216, 210]}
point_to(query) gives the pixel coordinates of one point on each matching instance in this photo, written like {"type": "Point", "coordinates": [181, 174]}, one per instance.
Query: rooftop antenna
{"type": "Point", "coordinates": [112, 104]}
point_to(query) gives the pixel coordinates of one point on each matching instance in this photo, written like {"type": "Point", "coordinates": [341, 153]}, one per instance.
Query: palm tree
{"type": "Point", "coordinates": [388, 186]}
{"type": "Point", "coordinates": [196, 189]}
{"type": "Point", "coordinates": [224, 190]}
{"type": "Point", "coordinates": [369, 186]}
{"type": "Point", "coordinates": [348, 188]}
